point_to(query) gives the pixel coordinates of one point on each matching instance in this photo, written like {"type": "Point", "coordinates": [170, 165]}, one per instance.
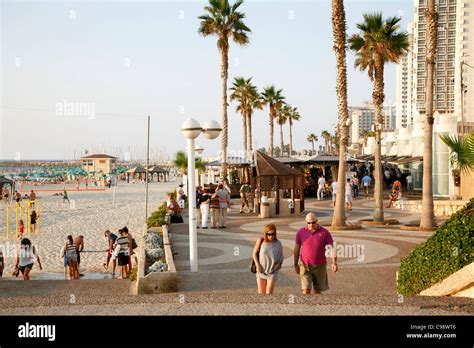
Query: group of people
{"type": "Point", "coordinates": [120, 248]}
{"type": "Point", "coordinates": [353, 186]}
{"type": "Point", "coordinates": [309, 256]}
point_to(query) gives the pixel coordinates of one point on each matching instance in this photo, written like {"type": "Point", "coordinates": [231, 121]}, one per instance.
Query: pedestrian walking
{"type": "Point", "coordinates": [349, 194]}
{"type": "Point", "coordinates": [123, 253]}
{"type": "Point", "coordinates": [27, 255]}
{"type": "Point", "coordinates": [310, 255]}
{"type": "Point", "coordinates": [321, 187]}
{"type": "Point", "coordinates": [334, 192]}
{"type": "Point", "coordinates": [366, 180]}
{"type": "Point", "coordinates": [224, 205]}
{"type": "Point", "coordinates": [214, 209]}
{"type": "Point", "coordinates": [204, 206]}
{"type": "Point", "coordinates": [111, 238]}
{"type": "Point", "coordinates": [69, 253]}
{"type": "Point", "coordinates": [65, 196]}
{"type": "Point", "coordinates": [268, 257]}
{"type": "Point", "coordinates": [355, 186]}
{"type": "Point", "coordinates": [197, 208]}
{"type": "Point", "coordinates": [33, 218]}
{"type": "Point", "coordinates": [79, 241]}
{"type": "Point", "coordinates": [244, 190]}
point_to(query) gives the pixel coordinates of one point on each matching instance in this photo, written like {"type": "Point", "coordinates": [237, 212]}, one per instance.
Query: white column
{"type": "Point", "coordinates": [193, 257]}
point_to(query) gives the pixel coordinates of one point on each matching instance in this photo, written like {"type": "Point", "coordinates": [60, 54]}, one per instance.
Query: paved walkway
{"type": "Point", "coordinates": [364, 285]}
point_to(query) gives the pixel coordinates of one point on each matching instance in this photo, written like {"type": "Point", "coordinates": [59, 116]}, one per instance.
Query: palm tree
{"type": "Point", "coordinates": [312, 138]}
{"type": "Point", "coordinates": [181, 162]}
{"type": "Point", "coordinates": [380, 41]}
{"type": "Point", "coordinates": [240, 91]}
{"type": "Point", "coordinates": [427, 213]}
{"type": "Point", "coordinates": [254, 101]}
{"type": "Point", "coordinates": [326, 136]}
{"type": "Point", "coordinates": [293, 115]}
{"type": "Point", "coordinates": [224, 21]}
{"type": "Point", "coordinates": [282, 117]}
{"type": "Point", "coordinates": [462, 155]}
{"type": "Point", "coordinates": [274, 99]}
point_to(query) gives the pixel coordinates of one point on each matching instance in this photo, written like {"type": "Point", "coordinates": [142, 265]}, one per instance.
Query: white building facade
{"type": "Point", "coordinates": [455, 45]}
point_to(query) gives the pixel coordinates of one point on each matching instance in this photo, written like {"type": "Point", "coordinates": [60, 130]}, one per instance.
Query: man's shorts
{"type": "Point", "coordinates": [348, 198]}
{"type": "Point", "coordinates": [123, 259]}
{"type": "Point", "coordinates": [316, 276]}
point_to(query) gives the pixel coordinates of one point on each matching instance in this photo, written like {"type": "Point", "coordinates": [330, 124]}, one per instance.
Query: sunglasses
{"type": "Point", "coordinates": [270, 234]}
{"type": "Point", "coordinates": [311, 222]}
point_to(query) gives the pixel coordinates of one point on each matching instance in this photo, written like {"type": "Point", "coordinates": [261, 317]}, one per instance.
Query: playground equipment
{"type": "Point", "coordinates": [18, 210]}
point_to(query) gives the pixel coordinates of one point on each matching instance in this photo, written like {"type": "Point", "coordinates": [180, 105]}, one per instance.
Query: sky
{"type": "Point", "coordinates": [85, 75]}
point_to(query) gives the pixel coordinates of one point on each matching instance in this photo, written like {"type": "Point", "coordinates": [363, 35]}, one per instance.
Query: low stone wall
{"type": "Point", "coordinates": [441, 208]}
{"type": "Point", "coordinates": [460, 283]}
{"type": "Point", "coordinates": [158, 282]}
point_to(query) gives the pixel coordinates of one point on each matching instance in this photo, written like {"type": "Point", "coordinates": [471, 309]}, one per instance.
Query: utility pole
{"type": "Point", "coordinates": [146, 170]}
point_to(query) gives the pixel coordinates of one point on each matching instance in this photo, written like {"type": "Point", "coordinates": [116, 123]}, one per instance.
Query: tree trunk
{"type": "Point", "coordinates": [339, 32]}
{"type": "Point", "coordinates": [281, 140]}
{"type": "Point", "coordinates": [312, 147]}
{"type": "Point", "coordinates": [270, 150]}
{"type": "Point", "coordinates": [427, 214]}
{"type": "Point", "coordinates": [244, 125]}
{"type": "Point", "coordinates": [224, 75]}
{"type": "Point", "coordinates": [291, 138]}
{"type": "Point", "coordinates": [378, 97]}
{"type": "Point", "coordinates": [249, 140]}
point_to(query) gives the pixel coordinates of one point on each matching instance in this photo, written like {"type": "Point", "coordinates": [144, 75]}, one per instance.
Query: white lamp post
{"type": "Point", "coordinates": [191, 129]}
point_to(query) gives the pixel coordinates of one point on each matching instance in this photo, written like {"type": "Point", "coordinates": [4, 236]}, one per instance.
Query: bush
{"type": "Point", "coordinates": [447, 251]}
{"type": "Point", "coordinates": [157, 218]}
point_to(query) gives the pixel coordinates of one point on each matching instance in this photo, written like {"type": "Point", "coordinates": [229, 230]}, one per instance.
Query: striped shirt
{"type": "Point", "coordinates": [123, 242]}
{"type": "Point", "coordinates": [70, 249]}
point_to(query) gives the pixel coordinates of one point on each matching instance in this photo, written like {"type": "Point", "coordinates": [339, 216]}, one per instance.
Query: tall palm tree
{"type": "Point", "coordinates": [274, 99]}
{"type": "Point", "coordinates": [224, 21]}
{"type": "Point", "coordinates": [254, 101]}
{"type": "Point", "coordinates": [427, 213]}
{"type": "Point", "coordinates": [312, 138]}
{"type": "Point", "coordinates": [326, 136]}
{"type": "Point", "coordinates": [380, 41]}
{"type": "Point", "coordinates": [293, 115]}
{"type": "Point", "coordinates": [240, 92]}
{"type": "Point", "coordinates": [282, 117]}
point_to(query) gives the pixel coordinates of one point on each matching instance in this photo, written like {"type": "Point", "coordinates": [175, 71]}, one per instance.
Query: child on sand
{"type": "Point", "coordinates": [22, 229]}
{"type": "Point", "coordinates": [33, 218]}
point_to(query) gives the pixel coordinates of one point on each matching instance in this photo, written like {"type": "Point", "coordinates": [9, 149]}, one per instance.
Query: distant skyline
{"type": "Point", "coordinates": [79, 75]}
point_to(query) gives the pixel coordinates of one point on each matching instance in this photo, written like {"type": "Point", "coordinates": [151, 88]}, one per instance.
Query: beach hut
{"type": "Point", "coordinates": [160, 172]}
{"type": "Point", "coordinates": [6, 182]}
{"type": "Point", "coordinates": [278, 187]}
{"type": "Point", "coordinates": [138, 170]}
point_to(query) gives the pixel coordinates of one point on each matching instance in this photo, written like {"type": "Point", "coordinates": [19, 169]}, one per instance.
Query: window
{"type": "Point", "coordinates": [102, 161]}
{"type": "Point", "coordinates": [442, 50]}
{"type": "Point", "coordinates": [440, 96]}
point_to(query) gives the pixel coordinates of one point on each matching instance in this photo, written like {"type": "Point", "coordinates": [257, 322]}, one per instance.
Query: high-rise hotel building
{"type": "Point", "coordinates": [453, 101]}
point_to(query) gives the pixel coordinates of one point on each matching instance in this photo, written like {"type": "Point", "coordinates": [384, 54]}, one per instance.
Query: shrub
{"type": "Point", "coordinates": [445, 252]}
{"type": "Point", "coordinates": [157, 218]}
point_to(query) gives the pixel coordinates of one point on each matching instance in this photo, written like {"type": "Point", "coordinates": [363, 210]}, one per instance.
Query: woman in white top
{"type": "Point", "coordinates": [26, 258]}
{"type": "Point", "coordinates": [349, 194]}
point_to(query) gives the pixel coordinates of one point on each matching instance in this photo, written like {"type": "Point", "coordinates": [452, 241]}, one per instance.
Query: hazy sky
{"type": "Point", "coordinates": [81, 75]}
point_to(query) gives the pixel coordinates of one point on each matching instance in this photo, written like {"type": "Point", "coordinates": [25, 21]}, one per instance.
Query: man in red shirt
{"type": "Point", "coordinates": [310, 248]}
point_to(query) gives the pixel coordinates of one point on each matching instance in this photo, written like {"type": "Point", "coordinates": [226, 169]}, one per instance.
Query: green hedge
{"type": "Point", "coordinates": [445, 252]}
{"type": "Point", "coordinates": [157, 218]}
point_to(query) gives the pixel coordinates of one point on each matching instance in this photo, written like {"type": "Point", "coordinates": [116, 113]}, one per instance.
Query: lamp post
{"type": "Point", "coordinates": [191, 129]}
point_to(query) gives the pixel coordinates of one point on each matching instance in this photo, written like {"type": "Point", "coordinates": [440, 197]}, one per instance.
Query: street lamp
{"type": "Point", "coordinates": [191, 129]}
